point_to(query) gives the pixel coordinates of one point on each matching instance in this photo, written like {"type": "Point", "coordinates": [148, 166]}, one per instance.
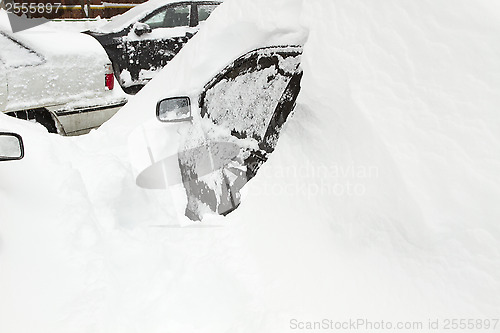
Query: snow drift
{"type": "Point", "coordinates": [379, 202]}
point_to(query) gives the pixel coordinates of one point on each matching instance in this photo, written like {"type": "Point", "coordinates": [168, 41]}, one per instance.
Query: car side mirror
{"type": "Point", "coordinates": [174, 109]}
{"type": "Point", "coordinates": [11, 146]}
{"type": "Point", "coordinates": [141, 28]}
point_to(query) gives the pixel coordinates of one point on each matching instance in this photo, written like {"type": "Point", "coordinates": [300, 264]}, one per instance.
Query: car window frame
{"type": "Point", "coordinates": [164, 8]}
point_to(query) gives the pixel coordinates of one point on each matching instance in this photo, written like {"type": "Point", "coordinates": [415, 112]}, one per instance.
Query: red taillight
{"type": "Point", "coordinates": [109, 79]}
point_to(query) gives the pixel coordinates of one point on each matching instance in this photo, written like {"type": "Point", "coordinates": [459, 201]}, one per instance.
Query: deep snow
{"type": "Point", "coordinates": [380, 201]}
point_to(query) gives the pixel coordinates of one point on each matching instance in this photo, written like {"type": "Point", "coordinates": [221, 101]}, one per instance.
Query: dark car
{"type": "Point", "coordinates": [143, 40]}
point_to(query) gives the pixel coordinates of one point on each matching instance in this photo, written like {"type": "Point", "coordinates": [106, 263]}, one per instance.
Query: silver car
{"type": "Point", "coordinates": [63, 81]}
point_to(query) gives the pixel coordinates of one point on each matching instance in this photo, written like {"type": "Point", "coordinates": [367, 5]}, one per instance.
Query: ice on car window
{"type": "Point", "coordinates": [14, 54]}
{"type": "Point", "coordinates": [204, 11]}
{"type": "Point", "coordinates": [246, 96]}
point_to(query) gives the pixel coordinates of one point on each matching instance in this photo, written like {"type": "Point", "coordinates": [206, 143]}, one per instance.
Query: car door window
{"type": "Point", "coordinates": [244, 97]}
{"type": "Point", "coordinates": [204, 11]}
{"type": "Point", "coordinates": [156, 21]}
{"type": "Point", "coordinates": [177, 16]}
{"type": "Point", "coordinates": [172, 16]}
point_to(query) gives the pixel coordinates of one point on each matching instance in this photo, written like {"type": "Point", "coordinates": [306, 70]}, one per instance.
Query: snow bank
{"type": "Point", "coordinates": [388, 173]}
{"type": "Point", "coordinates": [379, 201]}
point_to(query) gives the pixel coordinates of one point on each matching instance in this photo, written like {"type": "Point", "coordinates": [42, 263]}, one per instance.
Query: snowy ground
{"type": "Point", "coordinates": [379, 203]}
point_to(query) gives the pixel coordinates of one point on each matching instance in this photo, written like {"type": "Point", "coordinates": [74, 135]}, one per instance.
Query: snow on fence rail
{"type": "Point", "coordinates": [76, 9]}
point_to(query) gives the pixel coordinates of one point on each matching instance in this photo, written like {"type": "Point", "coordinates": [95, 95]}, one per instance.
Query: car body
{"type": "Point", "coordinates": [62, 80]}
{"type": "Point", "coordinates": [144, 39]}
{"type": "Point", "coordinates": [221, 134]}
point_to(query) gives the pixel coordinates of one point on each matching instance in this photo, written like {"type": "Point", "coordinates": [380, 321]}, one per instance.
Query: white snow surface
{"type": "Point", "coordinates": [13, 55]}
{"type": "Point", "coordinates": [380, 201]}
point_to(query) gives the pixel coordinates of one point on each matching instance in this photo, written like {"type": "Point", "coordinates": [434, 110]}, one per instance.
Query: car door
{"type": "Point", "coordinates": [246, 104]}
{"type": "Point", "coordinates": [149, 50]}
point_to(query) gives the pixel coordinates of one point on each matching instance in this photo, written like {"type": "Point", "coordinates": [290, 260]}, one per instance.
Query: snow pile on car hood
{"type": "Point", "coordinates": [378, 204]}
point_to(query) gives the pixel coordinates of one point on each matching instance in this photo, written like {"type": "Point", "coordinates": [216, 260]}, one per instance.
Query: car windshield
{"type": "Point", "coordinates": [14, 54]}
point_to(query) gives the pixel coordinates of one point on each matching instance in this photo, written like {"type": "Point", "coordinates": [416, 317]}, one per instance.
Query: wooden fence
{"type": "Point", "coordinates": [77, 9]}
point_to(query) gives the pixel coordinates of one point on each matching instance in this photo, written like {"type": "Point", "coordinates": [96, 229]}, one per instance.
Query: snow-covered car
{"type": "Point", "coordinates": [62, 80]}
{"type": "Point", "coordinates": [221, 134]}
{"type": "Point", "coordinates": [399, 98]}
{"type": "Point", "coordinates": [144, 39]}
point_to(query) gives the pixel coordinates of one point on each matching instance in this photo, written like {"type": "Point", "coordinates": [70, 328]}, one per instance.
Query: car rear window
{"type": "Point", "coordinates": [14, 54]}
